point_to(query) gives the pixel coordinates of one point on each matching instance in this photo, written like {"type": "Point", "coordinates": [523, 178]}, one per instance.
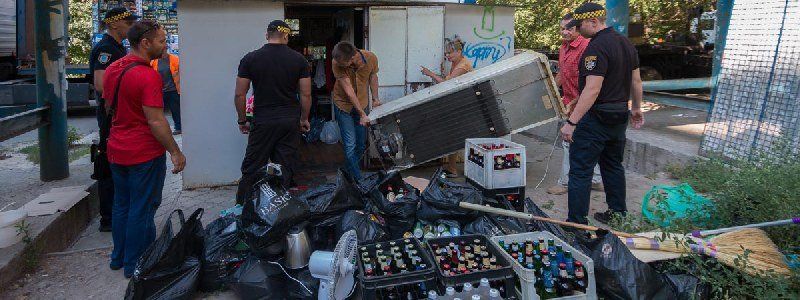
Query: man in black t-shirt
{"type": "Point", "coordinates": [278, 74]}
{"type": "Point", "coordinates": [117, 21]}
{"type": "Point", "coordinates": [608, 78]}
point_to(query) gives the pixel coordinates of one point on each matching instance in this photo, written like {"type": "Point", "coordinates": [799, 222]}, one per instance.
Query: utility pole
{"type": "Point", "coordinates": [724, 10]}
{"type": "Point", "coordinates": [50, 33]}
{"type": "Point", "coordinates": [618, 15]}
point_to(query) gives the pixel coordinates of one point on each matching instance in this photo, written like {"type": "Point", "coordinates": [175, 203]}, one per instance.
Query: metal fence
{"type": "Point", "coordinates": [756, 108]}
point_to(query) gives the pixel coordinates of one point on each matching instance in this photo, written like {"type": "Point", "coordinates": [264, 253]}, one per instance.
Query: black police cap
{"type": "Point", "coordinates": [119, 13]}
{"type": "Point", "coordinates": [589, 10]}
{"type": "Point", "coordinates": [278, 25]}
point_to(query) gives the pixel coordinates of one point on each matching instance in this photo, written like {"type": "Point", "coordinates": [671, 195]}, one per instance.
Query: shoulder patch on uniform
{"type": "Point", "coordinates": [103, 58]}
{"type": "Point", "coordinates": [590, 62]}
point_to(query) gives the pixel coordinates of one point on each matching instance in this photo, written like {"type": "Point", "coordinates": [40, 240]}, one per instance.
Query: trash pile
{"type": "Point", "coordinates": [382, 238]}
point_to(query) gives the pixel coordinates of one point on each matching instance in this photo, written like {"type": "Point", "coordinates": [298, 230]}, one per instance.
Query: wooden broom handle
{"type": "Point", "coordinates": [527, 216]}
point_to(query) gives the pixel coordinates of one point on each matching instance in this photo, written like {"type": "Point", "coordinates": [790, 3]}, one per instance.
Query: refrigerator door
{"type": "Point", "coordinates": [509, 96]}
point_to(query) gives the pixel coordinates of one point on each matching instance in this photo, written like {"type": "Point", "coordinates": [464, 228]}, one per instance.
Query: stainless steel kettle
{"type": "Point", "coordinates": [298, 249]}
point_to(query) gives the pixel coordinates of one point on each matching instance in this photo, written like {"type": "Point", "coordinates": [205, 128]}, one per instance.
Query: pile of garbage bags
{"type": "Point", "coordinates": [244, 248]}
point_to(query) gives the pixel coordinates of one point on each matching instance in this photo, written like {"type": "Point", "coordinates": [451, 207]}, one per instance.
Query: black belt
{"type": "Point", "coordinates": [616, 106]}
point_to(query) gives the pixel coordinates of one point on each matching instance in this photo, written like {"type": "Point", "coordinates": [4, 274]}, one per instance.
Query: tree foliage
{"type": "Point", "coordinates": [536, 21]}
{"type": "Point", "coordinates": [80, 31]}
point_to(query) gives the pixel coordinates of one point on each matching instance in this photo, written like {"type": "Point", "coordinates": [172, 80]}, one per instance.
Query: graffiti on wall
{"type": "Point", "coordinates": [488, 43]}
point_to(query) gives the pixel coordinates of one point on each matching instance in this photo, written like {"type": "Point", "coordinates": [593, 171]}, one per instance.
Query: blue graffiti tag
{"type": "Point", "coordinates": [484, 51]}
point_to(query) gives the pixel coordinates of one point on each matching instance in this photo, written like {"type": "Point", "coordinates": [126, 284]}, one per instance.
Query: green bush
{"type": "Point", "coordinates": [79, 30]}
{"type": "Point", "coordinates": [754, 191]}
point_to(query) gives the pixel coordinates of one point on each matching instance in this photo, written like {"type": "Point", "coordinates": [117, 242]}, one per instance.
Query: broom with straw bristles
{"type": "Point", "coordinates": [727, 247]}
{"type": "Point", "coordinates": [762, 254]}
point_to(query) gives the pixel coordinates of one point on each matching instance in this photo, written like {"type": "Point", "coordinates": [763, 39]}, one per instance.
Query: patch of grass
{"type": "Point", "coordinates": [31, 252]}
{"type": "Point", "coordinates": [78, 151]}
{"type": "Point", "coordinates": [74, 153]}
{"type": "Point", "coordinates": [31, 153]}
{"type": "Point", "coordinates": [630, 223]}
{"type": "Point", "coordinates": [549, 205]}
{"type": "Point", "coordinates": [73, 136]}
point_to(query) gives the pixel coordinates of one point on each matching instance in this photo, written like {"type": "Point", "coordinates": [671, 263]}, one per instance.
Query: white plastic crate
{"type": "Point", "coordinates": [527, 277]}
{"type": "Point", "coordinates": [488, 175]}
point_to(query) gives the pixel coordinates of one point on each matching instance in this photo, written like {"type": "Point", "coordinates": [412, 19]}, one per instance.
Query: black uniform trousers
{"type": "Point", "coordinates": [598, 139]}
{"type": "Point", "coordinates": [274, 140]}
{"type": "Point", "coordinates": [105, 187]}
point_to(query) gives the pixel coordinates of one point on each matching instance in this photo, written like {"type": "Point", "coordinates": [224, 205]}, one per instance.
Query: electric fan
{"type": "Point", "coordinates": [336, 270]}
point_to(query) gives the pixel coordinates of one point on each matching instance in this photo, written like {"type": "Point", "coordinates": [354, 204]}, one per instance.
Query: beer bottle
{"type": "Point", "coordinates": [548, 290]}
{"type": "Point", "coordinates": [580, 277]}
{"type": "Point", "coordinates": [569, 261]}
{"type": "Point", "coordinates": [564, 287]}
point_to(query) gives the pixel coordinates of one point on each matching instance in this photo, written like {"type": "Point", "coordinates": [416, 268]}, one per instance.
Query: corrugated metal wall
{"type": "Point", "coordinates": [8, 27]}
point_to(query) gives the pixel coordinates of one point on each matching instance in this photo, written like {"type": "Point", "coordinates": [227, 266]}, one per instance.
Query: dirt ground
{"type": "Point", "coordinates": [82, 272]}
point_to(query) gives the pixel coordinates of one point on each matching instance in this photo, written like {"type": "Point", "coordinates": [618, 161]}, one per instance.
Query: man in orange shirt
{"type": "Point", "coordinates": [569, 55]}
{"type": "Point", "coordinates": [168, 67]}
{"type": "Point", "coordinates": [356, 73]}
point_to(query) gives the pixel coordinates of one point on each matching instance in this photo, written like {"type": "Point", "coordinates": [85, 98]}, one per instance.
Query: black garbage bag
{"type": "Point", "coordinates": [262, 279]}
{"type": "Point", "coordinates": [334, 198]}
{"type": "Point", "coordinates": [400, 213]}
{"type": "Point", "coordinates": [221, 257]}
{"type": "Point", "coordinates": [323, 233]}
{"type": "Point", "coordinates": [259, 279]}
{"type": "Point", "coordinates": [170, 267]}
{"type": "Point", "coordinates": [368, 181]}
{"type": "Point", "coordinates": [441, 198]}
{"type": "Point", "coordinates": [370, 228]}
{"type": "Point", "coordinates": [620, 275]}
{"type": "Point", "coordinates": [689, 287]}
{"type": "Point", "coordinates": [269, 214]}
{"type": "Point", "coordinates": [305, 286]}
{"type": "Point", "coordinates": [493, 225]}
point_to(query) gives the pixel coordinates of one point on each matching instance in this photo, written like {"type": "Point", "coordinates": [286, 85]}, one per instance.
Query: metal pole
{"type": "Point", "coordinates": [618, 15]}
{"type": "Point", "coordinates": [677, 84]}
{"type": "Point", "coordinates": [51, 86]}
{"type": "Point", "coordinates": [724, 10]}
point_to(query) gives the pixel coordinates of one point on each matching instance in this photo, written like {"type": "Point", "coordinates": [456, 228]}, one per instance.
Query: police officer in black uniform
{"type": "Point", "coordinates": [609, 77]}
{"type": "Point", "coordinates": [117, 21]}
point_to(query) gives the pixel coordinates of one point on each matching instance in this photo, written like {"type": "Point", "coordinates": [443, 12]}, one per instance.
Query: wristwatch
{"type": "Point", "coordinates": [570, 122]}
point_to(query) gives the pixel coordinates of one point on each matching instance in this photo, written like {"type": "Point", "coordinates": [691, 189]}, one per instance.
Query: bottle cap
{"type": "Point", "coordinates": [432, 295]}
{"type": "Point", "coordinates": [450, 291]}
{"type": "Point", "coordinates": [494, 293]}
{"type": "Point", "coordinates": [484, 282]}
{"type": "Point", "coordinates": [467, 287]}
{"type": "Point", "coordinates": [476, 297]}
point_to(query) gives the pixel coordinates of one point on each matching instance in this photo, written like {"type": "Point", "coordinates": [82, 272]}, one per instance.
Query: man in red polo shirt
{"type": "Point", "coordinates": [569, 55]}
{"type": "Point", "coordinates": [140, 136]}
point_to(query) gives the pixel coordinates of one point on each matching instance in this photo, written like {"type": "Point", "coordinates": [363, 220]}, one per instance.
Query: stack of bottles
{"type": "Point", "coordinates": [393, 194]}
{"type": "Point", "coordinates": [558, 274]}
{"type": "Point", "coordinates": [424, 230]}
{"type": "Point", "coordinates": [395, 257]}
{"type": "Point", "coordinates": [468, 292]}
{"type": "Point", "coordinates": [476, 157]}
{"type": "Point", "coordinates": [463, 257]}
{"type": "Point", "coordinates": [507, 161]}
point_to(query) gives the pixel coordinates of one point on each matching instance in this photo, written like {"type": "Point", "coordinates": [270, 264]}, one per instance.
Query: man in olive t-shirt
{"type": "Point", "coordinates": [356, 73]}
